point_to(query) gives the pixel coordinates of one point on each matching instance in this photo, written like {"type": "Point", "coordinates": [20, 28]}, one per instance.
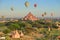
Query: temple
{"type": "Point", "coordinates": [30, 16]}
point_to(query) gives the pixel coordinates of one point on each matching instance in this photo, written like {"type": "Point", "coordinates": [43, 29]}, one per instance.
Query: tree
{"type": "Point", "coordinates": [13, 26]}
{"type": "Point", "coordinates": [2, 24]}
{"type": "Point", "coordinates": [37, 25]}
{"type": "Point", "coordinates": [7, 31]}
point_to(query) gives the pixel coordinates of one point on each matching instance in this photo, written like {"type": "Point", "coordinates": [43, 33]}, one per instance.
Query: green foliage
{"type": "Point", "coordinates": [7, 31]}
{"type": "Point", "coordinates": [29, 21]}
{"type": "Point", "coordinates": [8, 38]}
{"type": "Point", "coordinates": [54, 26]}
{"type": "Point", "coordinates": [14, 26]}
{"type": "Point", "coordinates": [39, 26]}
{"type": "Point", "coordinates": [38, 39]}
{"type": "Point", "coordinates": [15, 39]}
{"type": "Point", "coordinates": [2, 24]}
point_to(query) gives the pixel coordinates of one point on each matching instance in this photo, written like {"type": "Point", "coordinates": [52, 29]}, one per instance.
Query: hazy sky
{"type": "Point", "coordinates": [48, 6]}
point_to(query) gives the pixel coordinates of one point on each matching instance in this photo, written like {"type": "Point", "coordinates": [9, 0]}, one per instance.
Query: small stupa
{"type": "Point", "coordinates": [15, 34]}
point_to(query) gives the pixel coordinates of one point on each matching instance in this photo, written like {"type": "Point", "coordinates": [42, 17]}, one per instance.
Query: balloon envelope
{"type": "Point", "coordinates": [2, 16]}
{"type": "Point", "coordinates": [11, 9]}
{"type": "Point", "coordinates": [45, 13]}
{"type": "Point", "coordinates": [35, 5]}
{"type": "Point", "coordinates": [51, 14]}
{"type": "Point", "coordinates": [42, 15]}
{"type": "Point", "coordinates": [26, 3]}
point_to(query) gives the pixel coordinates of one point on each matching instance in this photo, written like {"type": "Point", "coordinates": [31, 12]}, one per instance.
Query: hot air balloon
{"type": "Point", "coordinates": [26, 3]}
{"type": "Point", "coordinates": [51, 14]}
{"type": "Point", "coordinates": [44, 13]}
{"type": "Point", "coordinates": [2, 17]}
{"type": "Point", "coordinates": [35, 5]}
{"type": "Point", "coordinates": [12, 9]}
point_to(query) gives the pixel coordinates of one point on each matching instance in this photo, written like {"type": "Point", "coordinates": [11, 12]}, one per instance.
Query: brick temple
{"type": "Point", "coordinates": [30, 16]}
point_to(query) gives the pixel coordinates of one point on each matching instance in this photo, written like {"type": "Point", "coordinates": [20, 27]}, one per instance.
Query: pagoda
{"type": "Point", "coordinates": [30, 16]}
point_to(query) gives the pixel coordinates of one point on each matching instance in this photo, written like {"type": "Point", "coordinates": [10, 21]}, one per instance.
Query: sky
{"type": "Point", "coordinates": [20, 10]}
